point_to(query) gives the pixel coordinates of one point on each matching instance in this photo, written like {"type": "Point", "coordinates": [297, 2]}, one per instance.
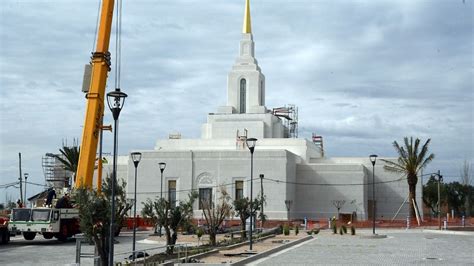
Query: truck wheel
{"type": "Point", "coordinates": [5, 236]}
{"type": "Point", "coordinates": [29, 235]}
{"type": "Point", "coordinates": [48, 235]}
{"type": "Point", "coordinates": [63, 234]}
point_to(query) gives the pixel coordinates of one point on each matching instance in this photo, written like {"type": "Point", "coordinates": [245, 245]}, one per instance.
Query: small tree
{"type": "Point", "coordinates": [169, 217]}
{"type": "Point", "coordinates": [147, 212]}
{"type": "Point", "coordinates": [242, 208]}
{"type": "Point", "coordinates": [466, 179]}
{"type": "Point", "coordinates": [430, 195]}
{"type": "Point", "coordinates": [214, 214]}
{"type": "Point", "coordinates": [94, 213]}
{"type": "Point", "coordinates": [263, 201]}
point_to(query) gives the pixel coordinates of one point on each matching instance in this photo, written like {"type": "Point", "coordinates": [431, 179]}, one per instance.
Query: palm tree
{"type": "Point", "coordinates": [410, 161]}
{"type": "Point", "coordinates": [69, 159]}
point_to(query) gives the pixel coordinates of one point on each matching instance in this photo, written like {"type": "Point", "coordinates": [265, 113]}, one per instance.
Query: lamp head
{"type": "Point", "coordinates": [261, 176]}
{"type": "Point", "coordinates": [373, 159]}
{"type": "Point", "coordinates": [116, 101]}
{"type": "Point", "coordinates": [251, 144]}
{"type": "Point", "coordinates": [136, 157]}
{"type": "Point", "coordinates": [26, 175]}
{"type": "Point", "coordinates": [162, 166]}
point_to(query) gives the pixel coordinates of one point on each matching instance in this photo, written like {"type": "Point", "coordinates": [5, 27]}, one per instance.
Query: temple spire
{"type": "Point", "coordinates": [247, 28]}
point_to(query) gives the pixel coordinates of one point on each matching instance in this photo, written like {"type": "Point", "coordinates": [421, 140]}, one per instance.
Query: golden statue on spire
{"type": "Point", "coordinates": [247, 24]}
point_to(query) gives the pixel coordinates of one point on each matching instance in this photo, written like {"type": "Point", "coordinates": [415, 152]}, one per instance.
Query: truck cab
{"type": "Point", "coordinates": [49, 222]}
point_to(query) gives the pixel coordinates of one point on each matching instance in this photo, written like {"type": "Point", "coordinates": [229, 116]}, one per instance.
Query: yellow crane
{"type": "Point", "coordinates": [100, 66]}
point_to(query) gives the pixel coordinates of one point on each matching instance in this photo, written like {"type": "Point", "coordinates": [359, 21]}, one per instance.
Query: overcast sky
{"type": "Point", "coordinates": [362, 73]}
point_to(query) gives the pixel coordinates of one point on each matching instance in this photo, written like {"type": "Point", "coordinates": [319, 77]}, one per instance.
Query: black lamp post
{"type": "Point", "coordinates": [251, 145]}
{"type": "Point", "coordinates": [136, 157]}
{"type": "Point", "coordinates": [162, 169]}
{"type": "Point", "coordinates": [26, 177]}
{"type": "Point", "coordinates": [115, 101]}
{"type": "Point", "coordinates": [373, 159]}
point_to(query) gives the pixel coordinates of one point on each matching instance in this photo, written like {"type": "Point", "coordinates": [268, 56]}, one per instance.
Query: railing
{"type": "Point", "coordinates": [181, 249]}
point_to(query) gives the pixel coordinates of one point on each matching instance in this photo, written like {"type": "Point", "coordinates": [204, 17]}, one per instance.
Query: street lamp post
{"type": "Point", "coordinates": [26, 177]}
{"type": "Point", "coordinates": [115, 101]}
{"type": "Point", "coordinates": [373, 159]}
{"type": "Point", "coordinates": [261, 200]}
{"type": "Point", "coordinates": [440, 179]}
{"type": "Point", "coordinates": [136, 157]}
{"type": "Point", "coordinates": [162, 169]}
{"type": "Point", "coordinates": [251, 145]}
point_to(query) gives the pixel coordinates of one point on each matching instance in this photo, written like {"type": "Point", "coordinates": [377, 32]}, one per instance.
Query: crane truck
{"type": "Point", "coordinates": [64, 222]}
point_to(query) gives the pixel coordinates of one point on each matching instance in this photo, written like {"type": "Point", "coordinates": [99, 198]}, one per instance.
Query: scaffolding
{"type": "Point", "coordinates": [290, 118]}
{"type": "Point", "coordinates": [318, 141]}
{"type": "Point", "coordinates": [240, 140]}
{"type": "Point", "coordinates": [54, 173]}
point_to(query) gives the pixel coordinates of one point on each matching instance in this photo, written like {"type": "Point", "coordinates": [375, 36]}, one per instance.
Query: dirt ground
{"type": "Point", "coordinates": [232, 254]}
{"type": "Point", "coordinates": [238, 253]}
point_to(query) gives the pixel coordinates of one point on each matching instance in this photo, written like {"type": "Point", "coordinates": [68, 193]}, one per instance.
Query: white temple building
{"type": "Point", "coordinates": [299, 181]}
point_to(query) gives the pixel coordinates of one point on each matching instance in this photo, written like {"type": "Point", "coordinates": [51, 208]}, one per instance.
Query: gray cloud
{"type": "Point", "coordinates": [363, 73]}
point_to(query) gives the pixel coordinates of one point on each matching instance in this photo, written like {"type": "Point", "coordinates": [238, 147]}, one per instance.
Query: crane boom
{"type": "Point", "coordinates": [95, 99]}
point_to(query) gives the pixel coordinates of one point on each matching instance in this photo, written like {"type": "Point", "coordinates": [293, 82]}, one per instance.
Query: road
{"type": "Point", "coordinates": [399, 248]}
{"type": "Point", "coordinates": [53, 252]}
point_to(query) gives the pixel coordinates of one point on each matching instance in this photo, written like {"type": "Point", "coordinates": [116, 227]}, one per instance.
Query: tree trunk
{"type": "Point", "coordinates": [467, 207]}
{"type": "Point", "coordinates": [412, 198]}
{"type": "Point", "coordinates": [101, 244]}
{"type": "Point", "coordinates": [169, 249]}
{"type": "Point", "coordinates": [243, 233]}
{"type": "Point", "coordinates": [212, 238]}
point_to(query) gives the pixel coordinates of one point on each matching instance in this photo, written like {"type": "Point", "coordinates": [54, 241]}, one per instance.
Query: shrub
{"type": "Point", "coordinates": [309, 232]}
{"type": "Point", "coordinates": [297, 230]}
{"type": "Point", "coordinates": [280, 229]}
{"type": "Point", "coordinates": [199, 232]}
{"type": "Point", "coordinates": [344, 229]}
{"type": "Point", "coordinates": [286, 230]}
{"type": "Point", "coordinates": [353, 230]}
{"type": "Point", "coordinates": [315, 231]}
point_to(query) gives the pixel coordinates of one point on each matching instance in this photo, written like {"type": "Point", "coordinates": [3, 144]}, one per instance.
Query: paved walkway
{"type": "Point", "coordinates": [399, 248]}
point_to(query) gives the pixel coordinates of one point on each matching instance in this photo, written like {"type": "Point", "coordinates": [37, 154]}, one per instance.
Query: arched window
{"type": "Point", "coordinates": [243, 94]}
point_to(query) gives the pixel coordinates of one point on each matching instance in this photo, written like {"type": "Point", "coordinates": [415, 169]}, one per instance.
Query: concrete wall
{"type": "Point", "coordinates": [195, 169]}
{"type": "Point", "coordinates": [321, 184]}
{"type": "Point", "coordinates": [311, 188]}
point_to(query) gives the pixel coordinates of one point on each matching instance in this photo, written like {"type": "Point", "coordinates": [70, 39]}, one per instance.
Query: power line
{"type": "Point", "coordinates": [282, 182]}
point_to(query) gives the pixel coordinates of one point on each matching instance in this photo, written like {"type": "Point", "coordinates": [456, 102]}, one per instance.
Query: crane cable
{"type": "Point", "coordinates": [96, 26]}
{"type": "Point", "coordinates": [118, 43]}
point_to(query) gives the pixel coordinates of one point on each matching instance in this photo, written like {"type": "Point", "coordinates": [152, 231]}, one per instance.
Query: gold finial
{"type": "Point", "coordinates": [247, 25]}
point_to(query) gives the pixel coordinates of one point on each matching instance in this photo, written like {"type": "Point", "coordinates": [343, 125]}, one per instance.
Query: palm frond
{"type": "Point", "coordinates": [393, 167]}
{"type": "Point", "coordinates": [70, 158]}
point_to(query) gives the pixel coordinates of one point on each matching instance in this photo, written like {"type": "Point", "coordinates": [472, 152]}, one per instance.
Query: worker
{"type": "Point", "coordinates": [19, 203]}
{"type": "Point", "coordinates": [49, 198]}
{"type": "Point", "coordinates": [64, 202]}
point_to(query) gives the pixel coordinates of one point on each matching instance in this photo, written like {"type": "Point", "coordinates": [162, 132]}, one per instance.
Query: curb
{"type": "Point", "coordinates": [448, 232]}
{"type": "Point", "coordinates": [271, 251]}
{"type": "Point", "coordinates": [246, 242]}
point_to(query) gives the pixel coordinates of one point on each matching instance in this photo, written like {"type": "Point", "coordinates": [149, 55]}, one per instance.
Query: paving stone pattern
{"type": "Point", "coordinates": [399, 248]}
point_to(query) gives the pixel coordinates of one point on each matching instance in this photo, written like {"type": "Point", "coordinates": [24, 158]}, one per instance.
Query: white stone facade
{"type": "Point", "coordinates": [294, 169]}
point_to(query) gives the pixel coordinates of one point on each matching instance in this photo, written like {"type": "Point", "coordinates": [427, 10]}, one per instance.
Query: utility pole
{"type": "Point", "coordinates": [440, 178]}
{"type": "Point", "coordinates": [26, 178]}
{"type": "Point", "coordinates": [20, 179]}
{"type": "Point", "coordinates": [261, 199]}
